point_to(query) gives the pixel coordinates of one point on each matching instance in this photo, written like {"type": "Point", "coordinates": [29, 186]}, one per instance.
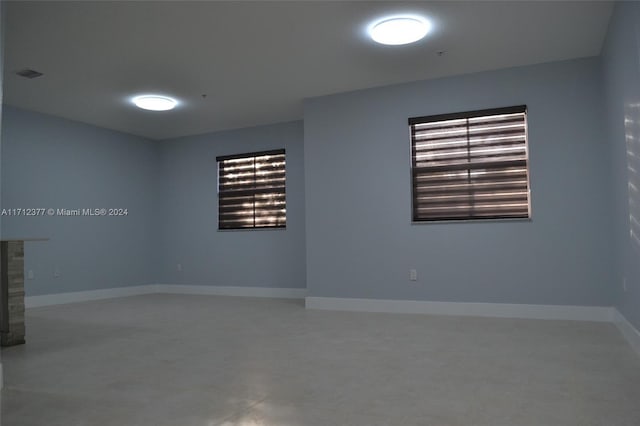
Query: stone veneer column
{"type": "Point", "coordinates": [12, 271]}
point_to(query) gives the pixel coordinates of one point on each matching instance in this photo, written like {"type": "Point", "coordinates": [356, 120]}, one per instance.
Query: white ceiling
{"type": "Point", "coordinates": [257, 61]}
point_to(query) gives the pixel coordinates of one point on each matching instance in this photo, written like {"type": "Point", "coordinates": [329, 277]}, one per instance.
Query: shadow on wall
{"type": "Point", "coordinates": [632, 136]}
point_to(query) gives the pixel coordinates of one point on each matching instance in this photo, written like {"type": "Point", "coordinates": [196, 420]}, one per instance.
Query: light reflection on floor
{"type": "Point", "coordinates": [178, 360]}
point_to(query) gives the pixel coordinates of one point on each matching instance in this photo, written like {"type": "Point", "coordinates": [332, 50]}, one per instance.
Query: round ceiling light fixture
{"type": "Point", "coordinates": [398, 30]}
{"type": "Point", "coordinates": [155, 102]}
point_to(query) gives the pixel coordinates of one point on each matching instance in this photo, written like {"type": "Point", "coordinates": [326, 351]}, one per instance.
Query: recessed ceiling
{"type": "Point", "coordinates": [257, 61]}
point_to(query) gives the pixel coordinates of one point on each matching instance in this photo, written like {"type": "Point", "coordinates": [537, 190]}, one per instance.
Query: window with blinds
{"type": "Point", "coordinates": [251, 190]}
{"type": "Point", "coordinates": [471, 165]}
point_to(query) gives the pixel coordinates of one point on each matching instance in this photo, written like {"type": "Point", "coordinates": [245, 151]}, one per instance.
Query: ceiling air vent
{"type": "Point", "coordinates": [27, 73]}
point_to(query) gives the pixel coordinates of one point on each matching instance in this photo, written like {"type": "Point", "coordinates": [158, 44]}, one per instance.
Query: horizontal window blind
{"type": "Point", "coordinates": [471, 165]}
{"type": "Point", "coordinates": [251, 190]}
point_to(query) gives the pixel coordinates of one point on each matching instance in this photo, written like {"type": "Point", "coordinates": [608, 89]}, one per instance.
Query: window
{"type": "Point", "coordinates": [471, 165]}
{"type": "Point", "coordinates": [251, 190]}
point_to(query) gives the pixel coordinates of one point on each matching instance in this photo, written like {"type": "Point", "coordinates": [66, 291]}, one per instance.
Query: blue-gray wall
{"type": "Point", "coordinates": [621, 75]}
{"type": "Point", "coordinates": [350, 160]}
{"type": "Point", "coordinates": [50, 162]}
{"type": "Point", "coordinates": [263, 258]}
{"type": "Point", "coordinates": [2, 6]}
{"type": "Point", "coordinates": [360, 240]}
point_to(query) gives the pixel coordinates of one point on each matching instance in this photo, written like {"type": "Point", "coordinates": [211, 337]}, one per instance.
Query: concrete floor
{"type": "Point", "coordinates": [201, 361]}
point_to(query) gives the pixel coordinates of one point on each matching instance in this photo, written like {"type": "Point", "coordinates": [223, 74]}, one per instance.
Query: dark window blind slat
{"type": "Point", "coordinates": [252, 190]}
{"type": "Point", "coordinates": [470, 165]}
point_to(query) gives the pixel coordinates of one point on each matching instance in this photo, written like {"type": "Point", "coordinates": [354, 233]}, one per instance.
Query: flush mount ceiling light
{"type": "Point", "coordinates": [155, 102]}
{"type": "Point", "coordinates": [399, 30]}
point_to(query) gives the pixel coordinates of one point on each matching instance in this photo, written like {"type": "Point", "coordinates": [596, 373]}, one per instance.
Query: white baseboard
{"type": "Point", "coordinates": [110, 293]}
{"type": "Point", "coordinates": [498, 310]}
{"type": "Point", "coordinates": [208, 290]}
{"type": "Point", "coordinates": [86, 296]}
{"type": "Point", "coordinates": [630, 333]}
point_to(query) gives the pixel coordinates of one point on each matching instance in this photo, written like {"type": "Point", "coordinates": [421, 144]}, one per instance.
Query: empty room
{"type": "Point", "coordinates": [313, 213]}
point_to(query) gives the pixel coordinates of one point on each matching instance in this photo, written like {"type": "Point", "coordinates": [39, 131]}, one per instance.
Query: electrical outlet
{"type": "Point", "coordinates": [624, 284]}
{"type": "Point", "coordinates": [56, 272]}
{"type": "Point", "coordinates": [179, 267]}
{"type": "Point", "coordinates": [413, 275]}
{"type": "Point", "coordinates": [30, 274]}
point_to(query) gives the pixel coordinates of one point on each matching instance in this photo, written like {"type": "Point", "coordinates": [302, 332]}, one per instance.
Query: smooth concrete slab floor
{"type": "Point", "coordinates": [176, 360]}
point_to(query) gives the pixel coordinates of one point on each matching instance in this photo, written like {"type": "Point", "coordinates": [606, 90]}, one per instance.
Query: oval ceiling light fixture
{"type": "Point", "coordinates": [398, 30]}
{"type": "Point", "coordinates": [155, 102]}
